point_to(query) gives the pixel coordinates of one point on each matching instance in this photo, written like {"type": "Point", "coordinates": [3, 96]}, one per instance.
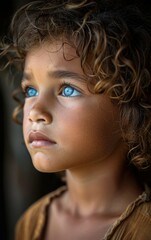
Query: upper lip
{"type": "Point", "coordinates": [35, 136]}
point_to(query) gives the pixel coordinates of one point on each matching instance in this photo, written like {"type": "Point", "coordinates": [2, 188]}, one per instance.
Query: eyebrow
{"type": "Point", "coordinates": [26, 76]}
{"type": "Point", "coordinates": [58, 74]}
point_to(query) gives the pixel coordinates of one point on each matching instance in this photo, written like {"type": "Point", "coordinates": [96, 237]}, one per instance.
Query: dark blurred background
{"type": "Point", "coordinates": [20, 183]}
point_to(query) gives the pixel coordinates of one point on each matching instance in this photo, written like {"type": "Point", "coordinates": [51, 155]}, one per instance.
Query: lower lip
{"type": "Point", "coordinates": [41, 143]}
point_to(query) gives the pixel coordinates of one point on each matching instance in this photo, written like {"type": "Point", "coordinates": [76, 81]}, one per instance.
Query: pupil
{"type": "Point", "coordinates": [31, 92]}
{"type": "Point", "coordinates": [68, 91]}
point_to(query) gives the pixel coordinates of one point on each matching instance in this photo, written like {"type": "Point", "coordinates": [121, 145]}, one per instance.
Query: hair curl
{"type": "Point", "coordinates": [113, 42]}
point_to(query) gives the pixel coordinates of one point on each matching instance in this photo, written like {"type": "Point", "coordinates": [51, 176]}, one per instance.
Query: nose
{"type": "Point", "coordinates": [39, 113]}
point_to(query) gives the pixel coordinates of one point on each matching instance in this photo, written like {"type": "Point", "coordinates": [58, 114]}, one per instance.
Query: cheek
{"type": "Point", "coordinates": [87, 128]}
{"type": "Point", "coordinates": [25, 121]}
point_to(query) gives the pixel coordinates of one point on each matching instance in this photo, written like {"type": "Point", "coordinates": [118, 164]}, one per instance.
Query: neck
{"type": "Point", "coordinates": [101, 190]}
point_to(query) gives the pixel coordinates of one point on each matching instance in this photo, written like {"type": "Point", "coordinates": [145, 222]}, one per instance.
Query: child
{"type": "Point", "coordinates": [87, 85]}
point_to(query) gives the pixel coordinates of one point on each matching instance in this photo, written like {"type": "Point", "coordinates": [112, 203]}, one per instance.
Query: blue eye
{"type": "Point", "coordinates": [69, 91]}
{"type": "Point", "coordinates": [31, 92]}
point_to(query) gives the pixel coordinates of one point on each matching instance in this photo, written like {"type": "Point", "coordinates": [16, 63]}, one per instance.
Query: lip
{"type": "Point", "coordinates": [38, 139]}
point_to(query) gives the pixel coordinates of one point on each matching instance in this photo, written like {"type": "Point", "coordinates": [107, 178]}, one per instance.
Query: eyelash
{"type": "Point", "coordinates": [25, 88]}
{"type": "Point", "coordinates": [65, 84]}
{"type": "Point", "coordinates": [62, 86]}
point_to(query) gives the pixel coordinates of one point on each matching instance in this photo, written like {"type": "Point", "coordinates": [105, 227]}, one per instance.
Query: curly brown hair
{"type": "Point", "coordinates": [113, 42]}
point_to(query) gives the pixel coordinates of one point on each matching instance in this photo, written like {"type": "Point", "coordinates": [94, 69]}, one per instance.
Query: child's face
{"type": "Point", "coordinates": [65, 126]}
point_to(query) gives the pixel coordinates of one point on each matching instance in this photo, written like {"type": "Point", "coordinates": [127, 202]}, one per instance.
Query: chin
{"type": "Point", "coordinates": [44, 166]}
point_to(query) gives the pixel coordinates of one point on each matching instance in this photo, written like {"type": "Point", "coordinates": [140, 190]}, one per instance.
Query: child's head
{"type": "Point", "coordinates": [114, 47]}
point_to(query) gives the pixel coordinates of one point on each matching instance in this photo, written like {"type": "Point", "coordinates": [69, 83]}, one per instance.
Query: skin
{"type": "Point", "coordinates": [86, 142]}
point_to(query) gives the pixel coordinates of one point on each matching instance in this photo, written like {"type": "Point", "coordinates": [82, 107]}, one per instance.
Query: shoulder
{"type": "Point", "coordinates": [32, 222]}
{"type": "Point", "coordinates": [142, 208]}
{"type": "Point", "coordinates": [138, 223]}
{"type": "Point", "coordinates": [141, 221]}
{"type": "Point", "coordinates": [135, 222]}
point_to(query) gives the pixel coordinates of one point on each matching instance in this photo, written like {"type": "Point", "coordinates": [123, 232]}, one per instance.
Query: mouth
{"type": "Point", "coordinates": [37, 139]}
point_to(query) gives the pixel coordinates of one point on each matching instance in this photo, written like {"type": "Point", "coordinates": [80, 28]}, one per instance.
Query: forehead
{"type": "Point", "coordinates": [57, 51]}
{"type": "Point", "coordinates": [51, 58]}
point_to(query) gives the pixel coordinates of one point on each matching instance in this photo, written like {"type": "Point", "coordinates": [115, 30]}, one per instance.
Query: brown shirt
{"type": "Point", "coordinates": [133, 224]}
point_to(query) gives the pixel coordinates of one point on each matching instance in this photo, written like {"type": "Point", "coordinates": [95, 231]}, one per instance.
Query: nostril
{"type": "Point", "coordinates": [38, 117]}
{"type": "Point", "coordinates": [39, 112]}
{"type": "Point", "coordinates": [41, 120]}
